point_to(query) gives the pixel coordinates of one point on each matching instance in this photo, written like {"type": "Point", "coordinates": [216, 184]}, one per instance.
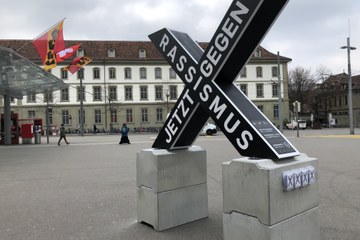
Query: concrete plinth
{"type": "Point", "coordinates": [304, 226]}
{"type": "Point", "coordinates": [171, 187]}
{"type": "Point", "coordinates": [257, 189]}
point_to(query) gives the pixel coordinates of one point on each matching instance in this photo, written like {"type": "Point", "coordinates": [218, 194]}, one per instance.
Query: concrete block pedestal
{"type": "Point", "coordinates": [271, 200]}
{"type": "Point", "coordinates": [171, 187]}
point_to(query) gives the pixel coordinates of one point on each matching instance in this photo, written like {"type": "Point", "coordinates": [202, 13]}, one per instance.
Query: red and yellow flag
{"type": "Point", "coordinates": [78, 63]}
{"type": "Point", "coordinates": [49, 43]}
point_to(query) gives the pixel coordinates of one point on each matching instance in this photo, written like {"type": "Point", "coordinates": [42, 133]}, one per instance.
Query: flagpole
{"type": "Point", "coordinates": [40, 34]}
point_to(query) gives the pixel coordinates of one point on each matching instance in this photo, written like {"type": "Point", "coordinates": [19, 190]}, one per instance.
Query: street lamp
{"type": "Point", "coordinates": [167, 94]}
{"type": "Point", "coordinates": [81, 115]}
{"type": "Point", "coordinates": [349, 48]}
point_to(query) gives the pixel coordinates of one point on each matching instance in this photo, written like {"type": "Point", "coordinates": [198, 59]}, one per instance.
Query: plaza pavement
{"type": "Point", "coordinates": [87, 190]}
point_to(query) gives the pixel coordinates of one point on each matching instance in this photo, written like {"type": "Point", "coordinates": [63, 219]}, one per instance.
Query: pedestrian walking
{"type": "Point", "coordinates": [124, 134]}
{"type": "Point", "coordinates": [62, 135]}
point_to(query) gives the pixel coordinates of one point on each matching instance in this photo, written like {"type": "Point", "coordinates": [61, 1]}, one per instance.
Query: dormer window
{"type": "Point", "coordinates": [257, 53]}
{"type": "Point", "coordinates": [142, 53]}
{"type": "Point", "coordinates": [111, 52]}
{"type": "Point", "coordinates": [80, 52]}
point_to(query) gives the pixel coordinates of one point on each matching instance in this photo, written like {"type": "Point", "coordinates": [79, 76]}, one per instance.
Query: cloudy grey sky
{"type": "Point", "coordinates": [310, 32]}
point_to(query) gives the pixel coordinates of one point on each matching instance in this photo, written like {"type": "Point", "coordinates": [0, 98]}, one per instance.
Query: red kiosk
{"type": "Point", "coordinates": [30, 128]}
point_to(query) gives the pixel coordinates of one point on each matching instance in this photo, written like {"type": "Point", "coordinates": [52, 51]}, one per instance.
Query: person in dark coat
{"type": "Point", "coordinates": [62, 135]}
{"type": "Point", "coordinates": [124, 134]}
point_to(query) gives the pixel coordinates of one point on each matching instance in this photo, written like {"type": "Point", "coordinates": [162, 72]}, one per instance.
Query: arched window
{"type": "Point", "coordinates": [96, 73]}
{"type": "Point", "coordinates": [80, 52]}
{"type": "Point", "coordinates": [63, 73]}
{"type": "Point", "coordinates": [259, 72]}
{"type": "Point", "coordinates": [274, 71]}
{"type": "Point", "coordinates": [112, 73]}
{"type": "Point", "coordinates": [172, 73]}
{"type": "Point", "coordinates": [142, 53]}
{"type": "Point", "coordinates": [158, 74]}
{"type": "Point", "coordinates": [143, 73]}
{"type": "Point", "coordinates": [127, 73]}
{"type": "Point", "coordinates": [257, 53]}
{"type": "Point", "coordinates": [111, 52]}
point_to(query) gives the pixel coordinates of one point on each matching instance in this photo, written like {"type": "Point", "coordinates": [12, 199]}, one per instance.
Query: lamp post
{"type": "Point", "coordinates": [167, 94]}
{"type": "Point", "coordinates": [349, 48]}
{"type": "Point", "coordinates": [81, 115]}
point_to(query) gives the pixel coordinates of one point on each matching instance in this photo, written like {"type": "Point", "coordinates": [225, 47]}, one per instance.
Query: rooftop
{"type": "Point", "coordinates": [124, 50]}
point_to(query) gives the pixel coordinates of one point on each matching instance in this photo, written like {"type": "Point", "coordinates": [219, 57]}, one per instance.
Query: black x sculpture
{"type": "Point", "coordinates": [209, 90]}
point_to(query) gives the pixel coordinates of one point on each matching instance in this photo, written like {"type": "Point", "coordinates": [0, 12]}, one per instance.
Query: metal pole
{"type": "Point", "coordinates": [7, 119]}
{"type": "Point", "coordinates": [279, 95]}
{"type": "Point", "coordinates": [81, 105]}
{"type": "Point", "coordinates": [350, 89]}
{"type": "Point", "coordinates": [297, 119]}
{"type": "Point", "coordinates": [351, 118]}
{"type": "Point", "coordinates": [47, 119]}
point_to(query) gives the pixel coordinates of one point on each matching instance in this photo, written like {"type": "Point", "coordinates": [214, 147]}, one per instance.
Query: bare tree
{"type": "Point", "coordinates": [322, 73]}
{"type": "Point", "coordinates": [301, 87]}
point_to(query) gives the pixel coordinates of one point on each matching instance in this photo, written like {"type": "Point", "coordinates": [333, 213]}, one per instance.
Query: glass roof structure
{"type": "Point", "coordinates": [20, 76]}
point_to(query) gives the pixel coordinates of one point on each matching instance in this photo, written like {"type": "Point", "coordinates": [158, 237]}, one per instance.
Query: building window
{"type": "Point", "coordinates": [261, 108]}
{"type": "Point", "coordinates": [80, 73]}
{"type": "Point", "coordinates": [80, 92]}
{"type": "Point", "coordinates": [159, 114]}
{"type": "Point", "coordinates": [129, 115]}
{"type": "Point", "coordinates": [128, 93]}
{"type": "Point", "coordinates": [112, 73]}
{"type": "Point", "coordinates": [172, 73]}
{"type": "Point", "coordinates": [260, 90]}
{"type": "Point", "coordinates": [276, 111]}
{"type": "Point", "coordinates": [31, 98]}
{"type": "Point", "coordinates": [173, 92]}
{"type": "Point", "coordinates": [158, 92]}
{"type": "Point", "coordinates": [142, 73]}
{"type": "Point", "coordinates": [127, 73]}
{"type": "Point", "coordinates": [31, 114]}
{"type": "Point", "coordinates": [243, 72]}
{"type": "Point", "coordinates": [274, 71]}
{"type": "Point", "coordinates": [96, 73]}
{"type": "Point", "coordinates": [97, 93]}
{"type": "Point", "coordinates": [158, 74]}
{"type": "Point", "coordinates": [97, 116]}
{"type": "Point", "coordinates": [275, 90]}
{"type": "Point", "coordinates": [111, 52]}
{"type": "Point", "coordinates": [243, 88]}
{"type": "Point", "coordinates": [142, 53]}
{"type": "Point", "coordinates": [144, 115]}
{"type": "Point", "coordinates": [65, 117]}
{"type": "Point", "coordinates": [80, 52]}
{"type": "Point", "coordinates": [48, 97]}
{"type": "Point", "coordinates": [12, 99]}
{"type": "Point", "coordinates": [143, 93]}
{"type": "Point", "coordinates": [112, 93]}
{"type": "Point", "coordinates": [257, 53]}
{"type": "Point", "coordinates": [63, 73]}
{"type": "Point", "coordinates": [259, 72]}
{"type": "Point", "coordinates": [64, 95]}
{"type": "Point", "coordinates": [113, 114]}
{"type": "Point", "coordinates": [82, 117]}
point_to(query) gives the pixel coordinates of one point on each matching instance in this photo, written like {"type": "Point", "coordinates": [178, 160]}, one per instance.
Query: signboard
{"type": "Point", "coordinates": [210, 92]}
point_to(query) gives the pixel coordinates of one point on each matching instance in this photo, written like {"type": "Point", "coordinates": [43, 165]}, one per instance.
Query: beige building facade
{"type": "Point", "coordinates": [130, 82]}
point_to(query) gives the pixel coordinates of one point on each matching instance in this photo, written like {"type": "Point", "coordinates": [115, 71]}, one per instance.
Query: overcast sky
{"type": "Point", "coordinates": [310, 32]}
